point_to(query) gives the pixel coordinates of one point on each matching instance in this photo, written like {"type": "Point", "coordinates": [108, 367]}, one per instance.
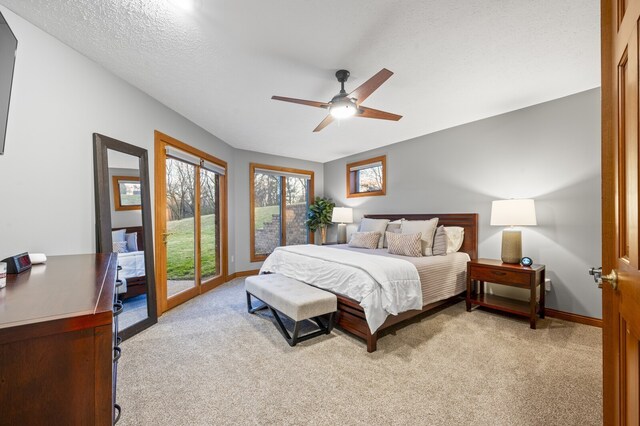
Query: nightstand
{"type": "Point", "coordinates": [480, 271]}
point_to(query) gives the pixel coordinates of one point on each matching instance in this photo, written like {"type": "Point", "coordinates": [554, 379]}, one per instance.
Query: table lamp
{"type": "Point", "coordinates": [512, 213]}
{"type": "Point", "coordinates": [342, 216]}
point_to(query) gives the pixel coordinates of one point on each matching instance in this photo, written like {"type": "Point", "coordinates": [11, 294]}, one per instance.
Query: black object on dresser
{"type": "Point", "coordinates": [58, 343]}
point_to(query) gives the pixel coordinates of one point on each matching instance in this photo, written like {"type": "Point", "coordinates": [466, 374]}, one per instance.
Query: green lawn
{"type": "Point", "coordinates": [180, 244]}
{"type": "Point", "coordinates": [180, 248]}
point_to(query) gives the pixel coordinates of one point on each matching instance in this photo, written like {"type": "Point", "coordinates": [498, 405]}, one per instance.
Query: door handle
{"type": "Point", "coordinates": [165, 235]}
{"type": "Point", "coordinates": [599, 278]}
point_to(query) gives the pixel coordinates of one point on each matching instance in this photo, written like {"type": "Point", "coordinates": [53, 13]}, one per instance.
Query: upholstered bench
{"type": "Point", "coordinates": [295, 299]}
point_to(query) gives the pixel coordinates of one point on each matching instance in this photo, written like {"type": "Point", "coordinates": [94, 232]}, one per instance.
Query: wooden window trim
{"type": "Point", "coordinates": [352, 178]}
{"type": "Point", "coordinates": [283, 222]}
{"type": "Point", "coordinates": [117, 201]}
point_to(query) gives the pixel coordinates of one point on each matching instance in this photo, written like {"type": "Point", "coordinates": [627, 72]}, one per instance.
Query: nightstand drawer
{"type": "Point", "coordinates": [498, 276]}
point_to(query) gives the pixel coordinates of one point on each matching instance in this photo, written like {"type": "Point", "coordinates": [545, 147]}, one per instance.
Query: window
{"type": "Point", "coordinates": [275, 190]}
{"type": "Point", "coordinates": [367, 178]}
{"type": "Point", "coordinates": [126, 193]}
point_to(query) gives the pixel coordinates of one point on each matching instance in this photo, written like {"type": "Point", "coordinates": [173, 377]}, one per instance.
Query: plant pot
{"type": "Point", "coordinates": [323, 234]}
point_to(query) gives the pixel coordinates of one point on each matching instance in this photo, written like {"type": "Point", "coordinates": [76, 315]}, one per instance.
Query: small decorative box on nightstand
{"type": "Point", "coordinates": [494, 271]}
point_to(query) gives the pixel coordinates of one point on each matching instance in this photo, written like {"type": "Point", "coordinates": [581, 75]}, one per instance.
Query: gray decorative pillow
{"type": "Point", "coordinates": [119, 246]}
{"type": "Point", "coordinates": [368, 240]}
{"type": "Point", "coordinates": [405, 244]}
{"type": "Point", "coordinates": [440, 242]}
{"type": "Point", "coordinates": [132, 241]}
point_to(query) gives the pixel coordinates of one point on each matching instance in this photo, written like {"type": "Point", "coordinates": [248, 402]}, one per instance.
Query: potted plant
{"type": "Point", "coordinates": [319, 216]}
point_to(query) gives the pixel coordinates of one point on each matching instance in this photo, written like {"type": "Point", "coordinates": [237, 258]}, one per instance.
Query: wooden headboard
{"type": "Point", "coordinates": [469, 221]}
{"type": "Point", "coordinates": [138, 230]}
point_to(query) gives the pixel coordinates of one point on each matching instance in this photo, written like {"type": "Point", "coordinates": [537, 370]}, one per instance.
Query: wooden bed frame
{"type": "Point", "coordinates": [351, 316]}
{"type": "Point", "coordinates": [135, 285]}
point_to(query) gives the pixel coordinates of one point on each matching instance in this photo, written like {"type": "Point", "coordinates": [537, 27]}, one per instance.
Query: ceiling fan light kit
{"type": "Point", "coordinates": [345, 105]}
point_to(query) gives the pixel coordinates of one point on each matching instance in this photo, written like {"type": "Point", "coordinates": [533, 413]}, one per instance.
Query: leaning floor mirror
{"type": "Point", "coordinates": [123, 226]}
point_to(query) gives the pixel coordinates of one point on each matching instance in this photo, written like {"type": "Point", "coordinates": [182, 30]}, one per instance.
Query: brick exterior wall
{"type": "Point", "coordinates": [268, 238]}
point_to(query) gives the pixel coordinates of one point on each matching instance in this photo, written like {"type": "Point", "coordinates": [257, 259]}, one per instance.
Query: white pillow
{"type": "Point", "coordinates": [118, 235]}
{"type": "Point", "coordinates": [426, 227]}
{"type": "Point", "coordinates": [455, 237]}
{"type": "Point", "coordinates": [374, 225]}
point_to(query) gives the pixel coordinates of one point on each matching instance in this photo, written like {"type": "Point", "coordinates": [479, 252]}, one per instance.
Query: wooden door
{"type": "Point", "coordinates": [620, 218]}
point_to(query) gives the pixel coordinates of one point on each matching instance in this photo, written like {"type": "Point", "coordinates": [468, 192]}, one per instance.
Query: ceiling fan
{"type": "Point", "coordinates": [345, 105]}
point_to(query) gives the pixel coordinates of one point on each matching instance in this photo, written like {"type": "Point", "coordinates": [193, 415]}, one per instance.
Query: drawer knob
{"type": "Point", "coordinates": [118, 410]}
{"type": "Point", "coordinates": [117, 308]}
{"type": "Point", "coordinates": [117, 353]}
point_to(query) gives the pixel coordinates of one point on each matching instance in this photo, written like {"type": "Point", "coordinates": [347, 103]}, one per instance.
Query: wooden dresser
{"type": "Point", "coordinates": [58, 339]}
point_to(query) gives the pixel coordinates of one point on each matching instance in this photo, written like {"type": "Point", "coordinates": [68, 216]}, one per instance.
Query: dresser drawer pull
{"type": "Point", "coordinates": [118, 283]}
{"type": "Point", "coordinates": [118, 340]}
{"type": "Point", "coordinates": [117, 353]}
{"type": "Point", "coordinates": [499, 273]}
{"type": "Point", "coordinates": [119, 268]}
{"type": "Point", "coordinates": [117, 308]}
{"type": "Point", "coordinates": [118, 410]}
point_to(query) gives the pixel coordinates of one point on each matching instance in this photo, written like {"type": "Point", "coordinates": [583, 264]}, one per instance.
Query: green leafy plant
{"type": "Point", "coordinates": [319, 213]}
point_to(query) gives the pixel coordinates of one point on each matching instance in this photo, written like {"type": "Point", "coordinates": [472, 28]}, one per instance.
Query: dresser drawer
{"type": "Point", "coordinates": [498, 276]}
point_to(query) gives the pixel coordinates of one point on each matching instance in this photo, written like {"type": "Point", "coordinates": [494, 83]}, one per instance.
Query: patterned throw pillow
{"type": "Point", "coordinates": [367, 240]}
{"type": "Point", "coordinates": [440, 242]}
{"type": "Point", "coordinates": [119, 246]}
{"type": "Point", "coordinates": [374, 225]}
{"type": "Point", "coordinates": [405, 244]}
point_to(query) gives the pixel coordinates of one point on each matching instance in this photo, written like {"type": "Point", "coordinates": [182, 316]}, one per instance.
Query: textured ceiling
{"type": "Point", "coordinates": [218, 62]}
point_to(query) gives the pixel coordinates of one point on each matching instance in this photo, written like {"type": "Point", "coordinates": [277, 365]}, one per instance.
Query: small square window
{"type": "Point", "coordinates": [367, 178]}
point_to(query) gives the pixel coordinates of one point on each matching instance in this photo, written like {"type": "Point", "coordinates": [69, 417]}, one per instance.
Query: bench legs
{"type": "Point", "coordinates": [294, 338]}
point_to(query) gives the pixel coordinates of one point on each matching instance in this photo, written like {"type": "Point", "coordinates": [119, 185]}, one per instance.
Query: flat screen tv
{"type": "Point", "coordinates": [8, 46]}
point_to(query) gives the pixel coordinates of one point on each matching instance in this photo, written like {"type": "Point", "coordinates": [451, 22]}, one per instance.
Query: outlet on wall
{"type": "Point", "coordinates": [547, 284]}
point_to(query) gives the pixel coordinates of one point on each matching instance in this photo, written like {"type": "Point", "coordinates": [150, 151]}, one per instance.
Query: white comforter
{"type": "Point", "coordinates": [132, 264]}
{"type": "Point", "coordinates": [382, 285]}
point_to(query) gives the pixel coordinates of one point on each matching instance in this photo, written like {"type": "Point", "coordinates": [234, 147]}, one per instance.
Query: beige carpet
{"type": "Point", "coordinates": [209, 362]}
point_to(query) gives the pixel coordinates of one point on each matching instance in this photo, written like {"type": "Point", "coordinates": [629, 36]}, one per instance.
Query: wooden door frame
{"type": "Point", "coordinates": [160, 192]}
{"type": "Point", "coordinates": [609, 215]}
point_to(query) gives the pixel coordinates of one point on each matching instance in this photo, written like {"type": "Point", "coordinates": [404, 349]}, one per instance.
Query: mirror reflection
{"type": "Point", "coordinates": [127, 235]}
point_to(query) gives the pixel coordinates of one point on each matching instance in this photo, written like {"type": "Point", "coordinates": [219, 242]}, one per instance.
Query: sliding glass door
{"type": "Point", "coordinates": [190, 220]}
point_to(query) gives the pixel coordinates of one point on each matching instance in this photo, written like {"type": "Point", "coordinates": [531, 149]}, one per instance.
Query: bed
{"type": "Point", "coordinates": [133, 265]}
{"type": "Point", "coordinates": [441, 278]}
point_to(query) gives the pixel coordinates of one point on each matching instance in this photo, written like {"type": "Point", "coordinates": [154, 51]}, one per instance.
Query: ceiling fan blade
{"type": "Point", "coordinates": [302, 102]}
{"type": "Point", "coordinates": [376, 113]}
{"type": "Point", "coordinates": [369, 86]}
{"type": "Point", "coordinates": [324, 123]}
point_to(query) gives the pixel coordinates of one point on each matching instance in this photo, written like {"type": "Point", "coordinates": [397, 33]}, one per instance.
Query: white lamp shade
{"type": "Point", "coordinates": [513, 213]}
{"type": "Point", "coordinates": [342, 215]}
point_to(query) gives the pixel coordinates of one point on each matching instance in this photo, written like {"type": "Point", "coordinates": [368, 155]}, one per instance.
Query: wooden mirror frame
{"type": "Point", "coordinates": [104, 243]}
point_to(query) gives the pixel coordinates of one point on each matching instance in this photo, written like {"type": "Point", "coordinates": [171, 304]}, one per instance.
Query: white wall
{"type": "Point", "coordinates": [242, 159]}
{"type": "Point", "coordinates": [59, 99]}
{"type": "Point", "coordinates": [549, 152]}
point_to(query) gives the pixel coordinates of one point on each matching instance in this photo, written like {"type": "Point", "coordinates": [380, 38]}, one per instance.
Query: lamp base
{"type": "Point", "coordinates": [511, 246]}
{"type": "Point", "coordinates": [342, 233]}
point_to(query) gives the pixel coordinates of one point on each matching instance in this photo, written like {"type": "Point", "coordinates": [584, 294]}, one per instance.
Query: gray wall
{"type": "Point", "coordinates": [549, 152]}
{"type": "Point", "coordinates": [241, 160]}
